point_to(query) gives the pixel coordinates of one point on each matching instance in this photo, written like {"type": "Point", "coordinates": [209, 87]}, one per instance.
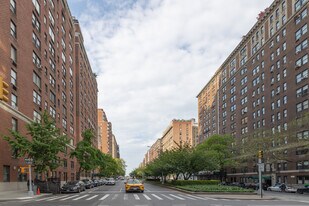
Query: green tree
{"type": "Point", "coordinates": [43, 144]}
{"type": "Point", "coordinates": [219, 148]}
{"type": "Point", "coordinates": [86, 155]}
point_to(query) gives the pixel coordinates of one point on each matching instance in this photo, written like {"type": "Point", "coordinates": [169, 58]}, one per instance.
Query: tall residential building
{"type": "Point", "coordinates": [263, 87]}
{"type": "Point", "coordinates": [178, 133]}
{"type": "Point", "coordinates": [108, 140]}
{"type": "Point", "coordinates": [86, 89]}
{"type": "Point", "coordinates": [208, 109]}
{"type": "Point", "coordinates": [39, 50]}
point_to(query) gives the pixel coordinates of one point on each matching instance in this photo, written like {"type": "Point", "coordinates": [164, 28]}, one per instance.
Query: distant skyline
{"type": "Point", "coordinates": [153, 57]}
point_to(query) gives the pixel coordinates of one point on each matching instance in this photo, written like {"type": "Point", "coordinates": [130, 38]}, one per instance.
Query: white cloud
{"type": "Point", "coordinates": [153, 58]}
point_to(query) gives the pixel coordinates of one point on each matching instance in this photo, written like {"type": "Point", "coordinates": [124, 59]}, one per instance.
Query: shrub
{"type": "Point", "coordinates": [194, 182]}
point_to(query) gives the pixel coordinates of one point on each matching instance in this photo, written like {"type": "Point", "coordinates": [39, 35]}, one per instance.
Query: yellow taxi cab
{"type": "Point", "coordinates": [134, 185]}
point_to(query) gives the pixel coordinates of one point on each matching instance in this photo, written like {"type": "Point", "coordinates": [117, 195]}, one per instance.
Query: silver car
{"type": "Point", "coordinates": [110, 181]}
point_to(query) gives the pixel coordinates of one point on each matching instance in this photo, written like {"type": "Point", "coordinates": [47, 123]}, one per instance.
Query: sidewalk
{"type": "Point", "coordinates": [18, 195]}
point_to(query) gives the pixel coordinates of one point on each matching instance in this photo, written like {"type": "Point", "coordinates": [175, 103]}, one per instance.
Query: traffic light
{"type": "Point", "coordinates": [4, 90]}
{"type": "Point", "coordinates": [260, 154]}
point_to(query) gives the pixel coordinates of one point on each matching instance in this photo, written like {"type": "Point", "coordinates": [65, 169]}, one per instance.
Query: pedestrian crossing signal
{"type": "Point", "coordinates": [24, 170]}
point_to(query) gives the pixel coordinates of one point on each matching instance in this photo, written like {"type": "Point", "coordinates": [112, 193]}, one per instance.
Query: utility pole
{"type": "Point", "coordinates": [261, 168]}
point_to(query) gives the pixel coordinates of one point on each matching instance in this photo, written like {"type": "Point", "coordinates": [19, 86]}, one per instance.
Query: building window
{"type": "Point", "coordinates": [14, 124]}
{"type": "Point", "coordinates": [301, 46]}
{"type": "Point", "coordinates": [301, 31]}
{"type": "Point", "coordinates": [52, 112]}
{"type": "Point", "coordinates": [13, 54]}
{"type": "Point", "coordinates": [36, 41]}
{"type": "Point", "coordinates": [51, 34]}
{"type": "Point", "coordinates": [14, 101]}
{"type": "Point", "coordinates": [36, 116]}
{"type": "Point", "coordinates": [13, 6]}
{"type": "Point", "coordinates": [302, 106]}
{"type": "Point", "coordinates": [6, 173]}
{"type": "Point", "coordinates": [36, 60]}
{"type": "Point", "coordinates": [302, 135]}
{"type": "Point", "coordinates": [52, 97]}
{"type": "Point", "coordinates": [302, 91]}
{"type": "Point", "coordinates": [36, 80]}
{"type": "Point", "coordinates": [36, 98]}
{"type": "Point", "coordinates": [301, 76]}
{"type": "Point", "coordinates": [13, 77]}
{"type": "Point", "coordinates": [36, 5]}
{"type": "Point", "coordinates": [13, 29]}
{"type": "Point", "coordinates": [35, 22]}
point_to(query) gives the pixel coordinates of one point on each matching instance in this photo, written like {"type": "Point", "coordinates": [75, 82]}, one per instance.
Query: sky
{"type": "Point", "coordinates": [153, 57]}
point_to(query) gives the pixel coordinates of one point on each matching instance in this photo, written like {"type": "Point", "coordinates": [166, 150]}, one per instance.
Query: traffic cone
{"type": "Point", "coordinates": [38, 191]}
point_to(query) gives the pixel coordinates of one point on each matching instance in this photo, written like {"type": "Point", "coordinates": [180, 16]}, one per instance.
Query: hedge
{"type": "Point", "coordinates": [194, 182]}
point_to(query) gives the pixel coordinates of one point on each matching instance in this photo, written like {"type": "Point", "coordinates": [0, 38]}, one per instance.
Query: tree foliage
{"type": "Point", "coordinates": [43, 143]}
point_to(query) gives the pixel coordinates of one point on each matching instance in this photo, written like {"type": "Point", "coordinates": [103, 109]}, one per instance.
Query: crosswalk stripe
{"type": "Point", "coordinates": [125, 197]}
{"type": "Point", "coordinates": [167, 197]}
{"type": "Point", "coordinates": [190, 198]}
{"type": "Point", "coordinates": [90, 198]}
{"type": "Point", "coordinates": [147, 197]}
{"type": "Point", "coordinates": [202, 198]}
{"type": "Point", "coordinates": [156, 196]}
{"type": "Point", "coordinates": [136, 196]}
{"type": "Point", "coordinates": [68, 197]}
{"type": "Point", "coordinates": [80, 197]}
{"type": "Point", "coordinates": [55, 198]}
{"type": "Point", "coordinates": [180, 198]}
{"type": "Point", "coordinates": [104, 197]}
{"type": "Point", "coordinates": [115, 196]}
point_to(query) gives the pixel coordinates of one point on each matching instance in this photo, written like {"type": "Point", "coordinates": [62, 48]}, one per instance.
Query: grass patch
{"type": "Point", "coordinates": [213, 188]}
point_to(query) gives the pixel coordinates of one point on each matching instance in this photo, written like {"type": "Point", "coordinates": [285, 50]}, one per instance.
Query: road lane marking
{"type": "Point", "coordinates": [167, 197]}
{"type": "Point", "coordinates": [147, 197]}
{"type": "Point", "coordinates": [115, 196]}
{"type": "Point", "coordinates": [80, 197]}
{"type": "Point", "coordinates": [70, 197]}
{"type": "Point", "coordinates": [156, 196]}
{"type": "Point", "coordinates": [90, 198]}
{"type": "Point", "coordinates": [136, 196]}
{"type": "Point", "coordinates": [180, 198]}
{"type": "Point", "coordinates": [104, 197]}
{"type": "Point", "coordinates": [125, 197]}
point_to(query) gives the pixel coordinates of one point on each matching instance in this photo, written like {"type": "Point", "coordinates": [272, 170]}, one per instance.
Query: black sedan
{"type": "Point", "coordinates": [303, 190]}
{"type": "Point", "coordinates": [73, 186]}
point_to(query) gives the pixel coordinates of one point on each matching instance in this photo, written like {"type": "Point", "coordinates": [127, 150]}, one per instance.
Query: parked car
{"type": "Point", "coordinates": [303, 190]}
{"type": "Point", "coordinates": [88, 183]}
{"type": "Point", "coordinates": [134, 185]}
{"type": "Point", "coordinates": [277, 187]}
{"type": "Point", "coordinates": [96, 182]}
{"type": "Point", "coordinates": [110, 181]}
{"type": "Point", "coordinates": [290, 189]}
{"type": "Point", "coordinates": [73, 186]}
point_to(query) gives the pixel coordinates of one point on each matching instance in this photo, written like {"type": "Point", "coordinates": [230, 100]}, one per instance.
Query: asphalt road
{"type": "Point", "coordinates": [153, 196]}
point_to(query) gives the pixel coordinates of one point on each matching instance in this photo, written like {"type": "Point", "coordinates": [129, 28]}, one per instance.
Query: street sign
{"type": "Point", "coordinates": [28, 161]}
{"type": "Point", "coordinates": [261, 167]}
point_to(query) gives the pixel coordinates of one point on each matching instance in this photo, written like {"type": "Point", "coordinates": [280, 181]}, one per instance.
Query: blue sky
{"type": "Point", "coordinates": [154, 56]}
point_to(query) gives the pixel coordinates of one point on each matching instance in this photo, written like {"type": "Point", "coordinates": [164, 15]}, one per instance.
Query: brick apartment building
{"type": "Point", "coordinates": [177, 134]}
{"type": "Point", "coordinates": [43, 59]}
{"type": "Point", "coordinates": [108, 142]}
{"type": "Point", "coordinates": [263, 86]}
